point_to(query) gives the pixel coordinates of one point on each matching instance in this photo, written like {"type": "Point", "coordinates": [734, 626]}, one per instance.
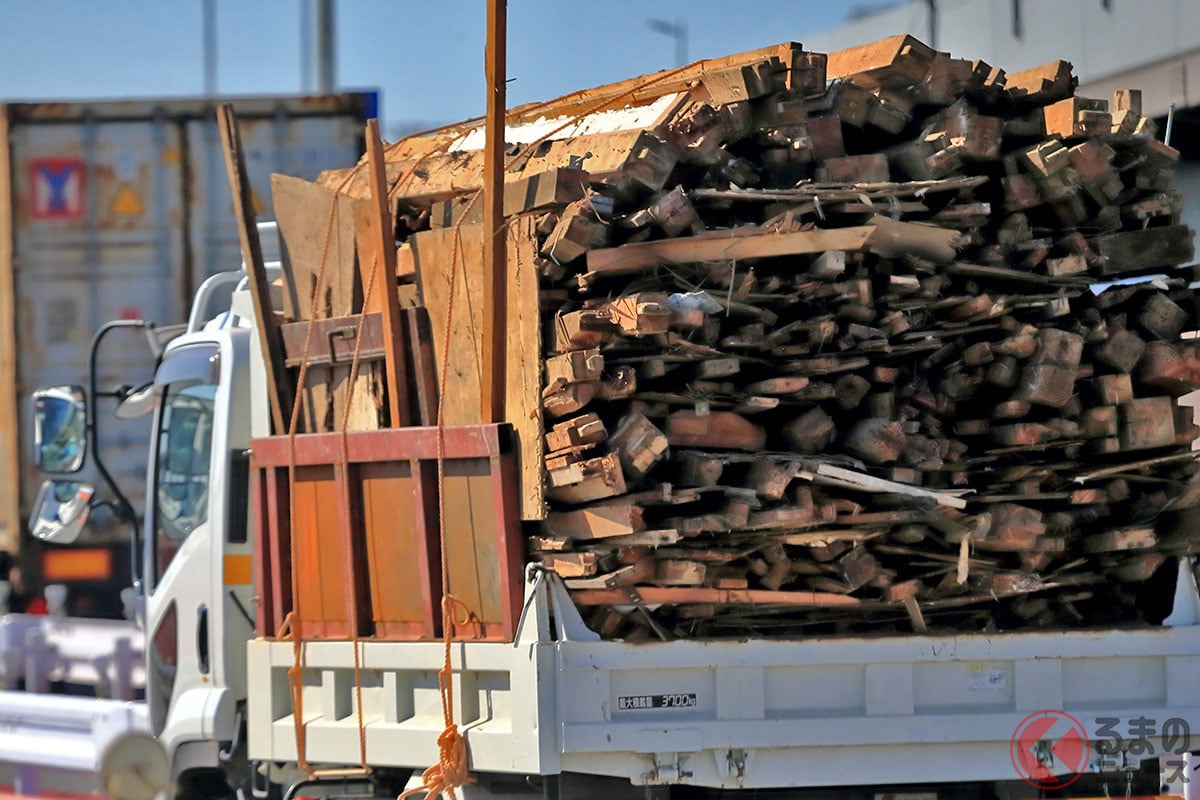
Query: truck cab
{"type": "Point", "coordinates": [196, 594]}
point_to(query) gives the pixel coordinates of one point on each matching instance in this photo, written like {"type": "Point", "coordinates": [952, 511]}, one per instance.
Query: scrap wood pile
{"type": "Point", "coordinates": [821, 347]}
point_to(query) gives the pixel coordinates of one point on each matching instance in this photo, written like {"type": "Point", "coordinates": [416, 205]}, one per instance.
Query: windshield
{"type": "Point", "coordinates": [181, 468]}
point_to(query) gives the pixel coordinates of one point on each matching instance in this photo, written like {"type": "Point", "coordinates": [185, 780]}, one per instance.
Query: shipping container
{"type": "Point", "coordinates": [119, 210]}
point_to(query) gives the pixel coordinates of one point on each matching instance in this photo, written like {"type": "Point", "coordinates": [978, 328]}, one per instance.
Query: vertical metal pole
{"type": "Point", "coordinates": [323, 46]}
{"type": "Point", "coordinates": [681, 42]}
{"type": "Point", "coordinates": [210, 47]}
{"type": "Point", "coordinates": [933, 37]}
{"type": "Point", "coordinates": [306, 47]}
{"type": "Point", "coordinates": [495, 250]}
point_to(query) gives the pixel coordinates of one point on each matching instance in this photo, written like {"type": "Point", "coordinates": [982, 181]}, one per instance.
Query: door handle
{"type": "Point", "coordinates": [202, 638]}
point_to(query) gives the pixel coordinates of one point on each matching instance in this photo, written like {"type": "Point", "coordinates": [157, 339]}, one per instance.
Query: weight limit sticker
{"type": "Point", "coordinates": [639, 702]}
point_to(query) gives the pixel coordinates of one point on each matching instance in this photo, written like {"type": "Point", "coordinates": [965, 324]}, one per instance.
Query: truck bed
{"type": "Point", "coordinates": [732, 714]}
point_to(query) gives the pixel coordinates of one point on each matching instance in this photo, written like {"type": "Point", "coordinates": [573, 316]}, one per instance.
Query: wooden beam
{"type": "Point", "coordinates": [734, 245]}
{"type": "Point", "coordinates": [669, 595]}
{"type": "Point", "coordinates": [279, 388]}
{"type": "Point", "coordinates": [495, 283]}
{"type": "Point", "coordinates": [383, 249]}
{"type": "Point", "coordinates": [11, 523]}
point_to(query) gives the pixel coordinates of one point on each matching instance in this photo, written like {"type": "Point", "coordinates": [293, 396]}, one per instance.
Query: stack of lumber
{"type": "Point", "coordinates": [846, 343]}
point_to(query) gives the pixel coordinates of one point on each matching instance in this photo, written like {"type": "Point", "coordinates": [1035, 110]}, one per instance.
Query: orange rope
{"type": "Point", "coordinates": [345, 448]}
{"type": "Point", "coordinates": [290, 629]}
{"type": "Point", "coordinates": [452, 769]}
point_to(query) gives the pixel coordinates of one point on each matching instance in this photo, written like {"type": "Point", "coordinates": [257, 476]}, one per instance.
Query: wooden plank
{"type": "Point", "coordinates": [593, 479]}
{"type": "Point", "coordinates": [680, 572]}
{"type": "Point", "coordinates": [597, 521]}
{"type": "Point", "coordinates": [382, 266]}
{"type": "Point", "coordinates": [734, 245]}
{"type": "Point", "coordinates": [1140, 538]}
{"type": "Point", "coordinates": [639, 444]}
{"type": "Point", "coordinates": [333, 341]}
{"type": "Point", "coordinates": [895, 62]}
{"type": "Point", "coordinates": [1041, 85]}
{"type": "Point", "coordinates": [423, 372]}
{"type": "Point", "coordinates": [664, 595]}
{"type": "Point", "coordinates": [859, 480]}
{"type": "Point", "coordinates": [1170, 369]}
{"type": "Point", "coordinates": [315, 224]}
{"type": "Point", "coordinates": [576, 366]}
{"type": "Point", "coordinates": [457, 252]}
{"type": "Point", "coordinates": [571, 565]}
{"type": "Point", "coordinates": [280, 392]}
{"type": "Point", "coordinates": [642, 570]}
{"type": "Point", "coordinates": [718, 429]}
{"type": "Point", "coordinates": [1152, 248]}
{"type": "Point", "coordinates": [306, 213]}
{"type": "Point", "coordinates": [1077, 116]}
{"type": "Point", "coordinates": [523, 369]}
{"type": "Point", "coordinates": [11, 524]}
{"type": "Point", "coordinates": [554, 187]}
{"type": "Point", "coordinates": [643, 89]}
{"type": "Point", "coordinates": [1147, 422]}
{"type": "Point", "coordinates": [581, 431]}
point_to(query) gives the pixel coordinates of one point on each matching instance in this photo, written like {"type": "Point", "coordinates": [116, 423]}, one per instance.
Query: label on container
{"type": "Point", "coordinates": [639, 702]}
{"type": "Point", "coordinates": [987, 679]}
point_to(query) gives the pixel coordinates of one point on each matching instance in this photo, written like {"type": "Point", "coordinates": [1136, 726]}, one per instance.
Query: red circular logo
{"type": "Point", "coordinates": [1047, 743]}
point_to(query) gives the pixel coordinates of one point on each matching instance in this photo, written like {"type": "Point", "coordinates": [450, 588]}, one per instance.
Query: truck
{"type": "Point", "coordinates": [114, 209]}
{"type": "Point", "coordinates": [258, 543]}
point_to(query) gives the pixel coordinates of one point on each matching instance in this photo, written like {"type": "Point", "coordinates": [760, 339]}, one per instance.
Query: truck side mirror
{"type": "Point", "coordinates": [59, 429]}
{"type": "Point", "coordinates": [61, 511]}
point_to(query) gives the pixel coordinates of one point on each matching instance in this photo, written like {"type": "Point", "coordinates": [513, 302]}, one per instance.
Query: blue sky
{"type": "Point", "coordinates": [425, 57]}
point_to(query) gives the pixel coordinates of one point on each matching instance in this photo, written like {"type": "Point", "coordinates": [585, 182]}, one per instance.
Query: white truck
{"type": "Point", "coordinates": [550, 709]}
{"type": "Point", "coordinates": [557, 712]}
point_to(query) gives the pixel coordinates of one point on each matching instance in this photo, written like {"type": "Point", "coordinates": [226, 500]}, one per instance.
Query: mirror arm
{"type": "Point", "coordinates": [121, 505]}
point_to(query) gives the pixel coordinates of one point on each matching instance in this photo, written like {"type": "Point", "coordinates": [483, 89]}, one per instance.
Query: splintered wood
{"type": "Point", "coordinates": [817, 345]}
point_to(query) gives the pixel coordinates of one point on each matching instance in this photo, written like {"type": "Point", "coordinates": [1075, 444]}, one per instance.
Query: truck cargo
{"type": "Point", "coordinates": [117, 210]}
{"type": "Point", "coordinates": [433, 514]}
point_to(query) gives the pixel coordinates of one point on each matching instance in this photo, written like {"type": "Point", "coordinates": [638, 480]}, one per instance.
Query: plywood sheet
{"type": "Point", "coordinates": [317, 225]}
{"type": "Point", "coordinates": [435, 253]}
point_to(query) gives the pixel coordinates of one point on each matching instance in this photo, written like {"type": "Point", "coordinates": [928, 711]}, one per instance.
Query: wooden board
{"type": "Point", "coordinates": [638, 91]}
{"type": "Point", "coordinates": [434, 253]}
{"type": "Point", "coordinates": [316, 222]}
{"type": "Point", "coordinates": [280, 391]}
{"type": "Point", "coordinates": [687, 595]}
{"type": "Point", "coordinates": [735, 245]}
{"type": "Point", "coordinates": [895, 62]}
{"type": "Point", "coordinates": [524, 366]}
{"type": "Point", "coordinates": [11, 524]}
{"type": "Point", "coordinates": [377, 269]}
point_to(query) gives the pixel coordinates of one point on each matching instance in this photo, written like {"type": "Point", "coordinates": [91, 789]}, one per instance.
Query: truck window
{"type": "Point", "coordinates": [182, 469]}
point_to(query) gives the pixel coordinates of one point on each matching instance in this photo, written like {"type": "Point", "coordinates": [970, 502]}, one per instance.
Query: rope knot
{"type": "Point", "coordinates": [451, 770]}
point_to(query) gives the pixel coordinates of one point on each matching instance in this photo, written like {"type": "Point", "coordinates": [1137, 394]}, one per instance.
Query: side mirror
{"type": "Point", "coordinates": [61, 511]}
{"type": "Point", "coordinates": [59, 429]}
